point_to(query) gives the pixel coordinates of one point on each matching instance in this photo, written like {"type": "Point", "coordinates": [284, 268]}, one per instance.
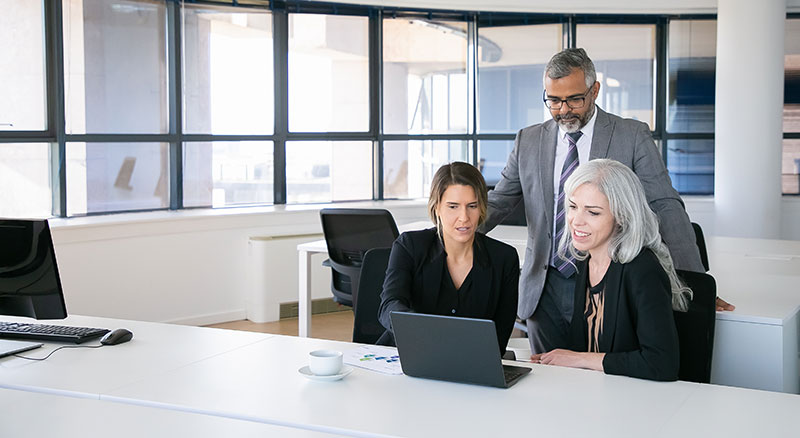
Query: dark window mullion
{"type": "Point", "coordinates": [280, 41]}
{"type": "Point", "coordinates": [174, 54]}
{"type": "Point", "coordinates": [375, 100]}
{"type": "Point", "coordinates": [56, 123]}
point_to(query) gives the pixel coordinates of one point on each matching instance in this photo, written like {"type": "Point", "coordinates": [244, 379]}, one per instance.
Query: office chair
{"type": "Point", "coordinates": [349, 234]}
{"type": "Point", "coordinates": [366, 327]}
{"type": "Point", "coordinates": [696, 328]}
{"type": "Point", "coordinates": [701, 244]}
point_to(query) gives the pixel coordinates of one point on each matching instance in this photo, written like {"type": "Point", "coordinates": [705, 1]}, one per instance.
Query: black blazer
{"type": "Point", "coordinates": [414, 277]}
{"type": "Point", "coordinates": [639, 335]}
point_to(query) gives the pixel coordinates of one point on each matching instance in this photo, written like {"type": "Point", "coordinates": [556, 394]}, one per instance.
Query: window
{"type": "Point", "coordinates": [409, 166]}
{"type": "Point", "coordinates": [325, 171]}
{"type": "Point", "coordinates": [22, 67]}
{"type": "Point", "coordinates": [790, 168]}
{"type": "Point", "coordinates": [328, 73]}
{"type": "Point", "coordinates": [692, 61]}
{"type": "Point", "coordinates": [104, 177]}
{"type": "Point", "coordinates": [690, 164]}
{"type": "Point", "coordinates": [227, 71]}
{"type": "Point", "coordinates": [790, 174]}
{"type": "Point", "coordinates": [221, 174]}
{"type": "Point", "coordinates": [511, 61]}
{"type": "Point", "coordinates": [493, 157]}
{"type": "Point", "coordinates": [791, 89]}
{"type": "Point", "coordinates": [25, 179]}
{"type": "Point", "coordinates": [425, 76]}
{"type": "Point", "coordinates": [624, 59]}
{"type": "Point", "coordinates": [115, 66]}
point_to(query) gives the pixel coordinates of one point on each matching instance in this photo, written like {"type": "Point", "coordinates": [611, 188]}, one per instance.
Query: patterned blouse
{"type": "Point", "coordinates": [593, 312]}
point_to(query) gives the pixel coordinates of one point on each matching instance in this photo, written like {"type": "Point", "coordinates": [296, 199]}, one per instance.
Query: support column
{"type": "Point", "coordinates": [749, 111]}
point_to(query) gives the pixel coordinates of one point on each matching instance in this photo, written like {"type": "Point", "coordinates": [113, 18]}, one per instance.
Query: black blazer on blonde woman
{"type": "Point", "coordinates": [414, 279]}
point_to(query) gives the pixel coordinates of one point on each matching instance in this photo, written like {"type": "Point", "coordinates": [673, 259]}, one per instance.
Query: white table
{"type": "Point", "coordinates": [756, 346]}
{"type": "Point", "coordinates": [155, 348]}
{"type": "Point", "coordinates": [36, 415]}
{"type": "Point", "coordinates": [259, 382]}
{"type": "Point", "coordinates": [760, 338]}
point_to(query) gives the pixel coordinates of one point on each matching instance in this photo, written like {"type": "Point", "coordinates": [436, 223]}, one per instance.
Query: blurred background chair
{"type": "Point", "coordinates": [701, 244]}
{"type": "Point", "coordinates": [366, 327]}
{"type": "Point", "coordinates": [696, 328]}
{"type": "Point", "coordinates": [349, 234]}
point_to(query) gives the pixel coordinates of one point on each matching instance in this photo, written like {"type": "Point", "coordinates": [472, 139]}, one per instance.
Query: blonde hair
{"type": "Point", "coordinates": [636, 225]}
{"type": "Point", "coordinates": [457, 173]}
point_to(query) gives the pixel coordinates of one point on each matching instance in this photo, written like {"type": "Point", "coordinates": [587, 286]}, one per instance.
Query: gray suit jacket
{"type": "Point", "coordinates": [528, 176]}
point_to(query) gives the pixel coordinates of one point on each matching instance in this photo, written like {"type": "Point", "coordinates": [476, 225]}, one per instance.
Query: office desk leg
{"type": "Point", "coordinates": [304, 294]}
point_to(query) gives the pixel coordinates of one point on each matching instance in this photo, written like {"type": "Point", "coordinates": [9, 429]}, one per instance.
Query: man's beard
{"type": "Point", "coordinates": [574, 122]}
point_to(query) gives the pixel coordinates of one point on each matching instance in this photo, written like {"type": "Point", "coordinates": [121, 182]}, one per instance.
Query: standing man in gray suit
{"type": "Point", "coordinates": [544, 156]}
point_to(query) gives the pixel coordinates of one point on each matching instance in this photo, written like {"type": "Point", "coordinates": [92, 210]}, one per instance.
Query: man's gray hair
{"type": "Point", "coordinates": [564, 62]}
{"type": "Point", "coordinates": [635, 224]}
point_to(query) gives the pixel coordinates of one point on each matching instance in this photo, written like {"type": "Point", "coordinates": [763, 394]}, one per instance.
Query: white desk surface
{"type": "Point", "coordinates": [36, 415]}
{"type": "Point", "coordinates": [155, 348]}
{"type": "Point", "coordinates": [260, 382]}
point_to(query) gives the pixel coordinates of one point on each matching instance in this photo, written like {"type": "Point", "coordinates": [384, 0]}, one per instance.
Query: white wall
{"type": "Point", "coordinates": [190, 266]}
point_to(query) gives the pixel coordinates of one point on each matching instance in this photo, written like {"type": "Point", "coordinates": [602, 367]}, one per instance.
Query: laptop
{"type": "Point", "coordinates": [7, 348]}
{"type": "Point", "coordinates": [462, 350]}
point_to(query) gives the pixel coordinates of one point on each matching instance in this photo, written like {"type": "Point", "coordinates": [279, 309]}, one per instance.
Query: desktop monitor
{"type": "Point", "coordinates": [29, 281]}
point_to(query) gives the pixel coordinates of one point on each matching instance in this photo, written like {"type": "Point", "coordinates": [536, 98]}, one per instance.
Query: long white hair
{"type": "Point", "coordinates": [635, 224]}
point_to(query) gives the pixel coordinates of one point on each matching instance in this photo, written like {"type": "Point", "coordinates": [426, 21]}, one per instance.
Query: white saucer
{"type": "Point", "coordinates": [307, 373]}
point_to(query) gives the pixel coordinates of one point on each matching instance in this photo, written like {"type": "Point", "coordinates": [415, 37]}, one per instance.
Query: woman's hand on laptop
{"type": "Point", "coordinates": [568, 358]}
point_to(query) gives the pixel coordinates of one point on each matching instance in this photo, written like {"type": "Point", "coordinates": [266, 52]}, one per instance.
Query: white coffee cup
{"type": "Point", "coordinates": [325, 362]}
{"type": "Point", "coordinates": [521, 348]}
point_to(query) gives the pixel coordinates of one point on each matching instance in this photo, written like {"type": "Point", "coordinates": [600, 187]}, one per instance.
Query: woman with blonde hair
{"type": "Point", "coordinates": [626, 287]}
{"type": "Point", "coordinates": [451, 269]}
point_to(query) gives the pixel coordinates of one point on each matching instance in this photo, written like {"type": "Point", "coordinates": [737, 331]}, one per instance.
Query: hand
{"type": "Point", "coordinates": [724, 305]}
{"type": "Point", "coordinates": [568, 358]}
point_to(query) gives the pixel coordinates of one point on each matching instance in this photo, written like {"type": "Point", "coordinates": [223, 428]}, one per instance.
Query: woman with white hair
{"type": "Point", "coordinates": [626, 287]}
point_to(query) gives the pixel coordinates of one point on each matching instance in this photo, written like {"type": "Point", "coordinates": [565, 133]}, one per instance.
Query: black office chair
{"type": "Point", "coordinates": [366, 327]}
{"type": "Point", "coordinates": [701, 244]}
{"type": "Point", "coordinates": [696, 328]}
{"type": "Point", "coordinates": [349, 234]}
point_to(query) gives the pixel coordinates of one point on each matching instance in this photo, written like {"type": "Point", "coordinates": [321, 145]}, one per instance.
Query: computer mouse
{"type": "Point", "coordinates": [117, 336]}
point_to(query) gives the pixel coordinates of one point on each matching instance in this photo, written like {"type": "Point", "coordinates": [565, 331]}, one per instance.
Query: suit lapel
{"type": "Point", "coordinates": [611, 303]}
{"type": "Point", "coordinates": [601, 138]}
{"type": "Point", "coordinates": [481, 273]}
{"type": "Point", "coordinates": [547, 155]}
{"type": "Point", "coordinates": [580, 303]}
{"type": "Point", "coordinates": [432, 272]}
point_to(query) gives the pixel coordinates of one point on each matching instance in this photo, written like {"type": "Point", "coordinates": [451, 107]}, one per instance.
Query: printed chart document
{"type": "Point", "coordinates": [375, 358]}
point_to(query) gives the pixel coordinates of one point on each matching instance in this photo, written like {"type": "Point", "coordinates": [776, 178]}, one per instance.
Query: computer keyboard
{"type": "Point", "coordinates": [49, 333]}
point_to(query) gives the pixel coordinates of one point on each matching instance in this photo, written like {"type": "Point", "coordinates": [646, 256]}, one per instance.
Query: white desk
{"type": "Point", "coordinates": [155, 348]}
{"type": "Point", "coordinates": [258, 382]}
{"type": "Point", "coordinates": [36, 415]}
{"type": "Point", "coordinates": [756, 346]}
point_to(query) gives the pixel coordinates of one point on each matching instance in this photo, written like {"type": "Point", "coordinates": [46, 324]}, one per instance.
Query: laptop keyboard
{"type": "Point", "coordinates": [512, 373]}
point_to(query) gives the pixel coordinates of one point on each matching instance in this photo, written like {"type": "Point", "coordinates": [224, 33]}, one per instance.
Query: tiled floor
{"type": "Point", "coordinates": [337, 326]}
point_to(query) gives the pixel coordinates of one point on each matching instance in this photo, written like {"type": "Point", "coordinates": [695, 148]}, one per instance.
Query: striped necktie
{"type": "Point", "coordinates": [566, 267]}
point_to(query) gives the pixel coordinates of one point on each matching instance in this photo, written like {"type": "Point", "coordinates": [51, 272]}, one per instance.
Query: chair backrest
{"type": "Point", "coordinates": [696, 328]}
{"type": "Point", "coordinates": [366, 327]}
{"type": "Point", "coordinates": [349, 234]}
{"type": "Point", "coordinates": [701, 244]}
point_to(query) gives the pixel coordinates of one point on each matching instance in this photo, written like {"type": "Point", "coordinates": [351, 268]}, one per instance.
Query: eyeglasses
{"type": "Point", "coordinates": [574, 102]}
